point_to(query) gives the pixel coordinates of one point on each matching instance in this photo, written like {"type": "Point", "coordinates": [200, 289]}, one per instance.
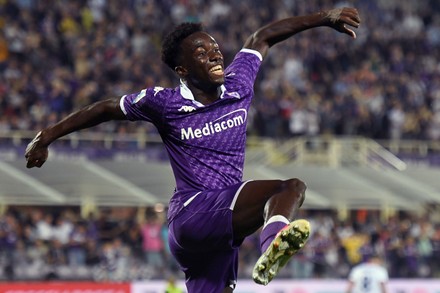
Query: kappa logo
{"type": "Point", "coordinates": [157, 89]}
{"type": "Point", "coordinates": [186, 109]}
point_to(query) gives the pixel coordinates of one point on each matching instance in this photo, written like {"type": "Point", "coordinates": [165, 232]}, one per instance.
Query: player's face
{"type": "Point", "coordinates": [202, 61]}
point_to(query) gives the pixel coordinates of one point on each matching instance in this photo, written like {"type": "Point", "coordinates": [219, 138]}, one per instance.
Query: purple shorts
{"type": "Point", "coordinates": [201, 238]}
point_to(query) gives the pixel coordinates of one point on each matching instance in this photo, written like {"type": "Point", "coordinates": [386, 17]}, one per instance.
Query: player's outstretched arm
{"type": "Point", "coordinates": [339, 19]}
{"type": "Point", "coordinates": [94, 114]}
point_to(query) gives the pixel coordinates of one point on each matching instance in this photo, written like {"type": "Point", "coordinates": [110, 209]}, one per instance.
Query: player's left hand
{"type": "Point", "coordinates": [339, 18]}
{"type": "Point", "coordinates": [36, 153]}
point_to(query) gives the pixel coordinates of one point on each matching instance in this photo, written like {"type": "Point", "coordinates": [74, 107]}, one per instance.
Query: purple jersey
{"type": "Point", "coordinates": [206, 144]}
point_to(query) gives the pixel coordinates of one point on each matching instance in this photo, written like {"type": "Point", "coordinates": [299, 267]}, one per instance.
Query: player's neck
{"type": "Point", "coordinates": [203, 93]}
{"type": "Point", "coordinates": [206, 96]}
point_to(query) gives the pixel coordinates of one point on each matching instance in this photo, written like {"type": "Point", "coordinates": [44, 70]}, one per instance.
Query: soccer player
{"type": "Point", "coordinates": [368, 277]}
{"type": "Point", "coordinates": [202, 123]}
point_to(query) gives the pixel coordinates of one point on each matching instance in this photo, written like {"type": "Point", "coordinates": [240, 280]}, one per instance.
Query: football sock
{"type": "Point", "coordinates": [270, 230]}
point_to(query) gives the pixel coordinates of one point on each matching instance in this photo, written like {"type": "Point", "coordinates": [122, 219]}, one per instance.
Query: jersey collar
{"type": "Point", "coordinates": [188, 95]}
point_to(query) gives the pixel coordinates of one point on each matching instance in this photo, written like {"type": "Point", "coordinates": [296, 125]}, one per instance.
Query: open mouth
{"type": "Point", "coordinates": [217, 70]}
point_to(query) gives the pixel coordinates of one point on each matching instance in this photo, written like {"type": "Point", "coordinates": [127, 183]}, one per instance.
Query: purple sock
{"type": "Point", "coordinates": [268, 234]}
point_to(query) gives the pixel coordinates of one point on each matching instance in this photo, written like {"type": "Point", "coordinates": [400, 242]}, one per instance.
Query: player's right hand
{"type": "Point", "coordinates": [341, 18]}
{"type": "Point", "coordinates": [36, 153]}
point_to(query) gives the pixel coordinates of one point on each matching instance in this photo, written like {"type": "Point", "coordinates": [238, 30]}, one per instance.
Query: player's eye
{"type": "Point", "coordinates": [200, 54]}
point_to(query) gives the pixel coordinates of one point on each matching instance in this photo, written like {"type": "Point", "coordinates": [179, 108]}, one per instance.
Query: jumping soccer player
{"type": "Point", "coordinates": [202, 123]}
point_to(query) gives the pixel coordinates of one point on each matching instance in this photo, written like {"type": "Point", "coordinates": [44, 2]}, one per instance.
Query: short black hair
{"type": "Point", "coordinates": [171, 43]}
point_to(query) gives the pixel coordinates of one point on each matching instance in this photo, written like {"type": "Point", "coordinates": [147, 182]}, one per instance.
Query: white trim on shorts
{"type": "Point", "coordinates": [231, 207]}
{"type": "Point", "coordinates": [186, 203]}
{"type": "Point", "coordinates": [234, 200]}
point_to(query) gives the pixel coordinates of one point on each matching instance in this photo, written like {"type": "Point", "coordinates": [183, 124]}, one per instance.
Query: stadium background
{"type": "Point", "coordinates": [358, 120]}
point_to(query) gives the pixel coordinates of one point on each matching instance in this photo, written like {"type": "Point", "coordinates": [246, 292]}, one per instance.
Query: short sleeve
{"type": "Point", "coordinates": [146, 105]}
{"type": "Point", "coordinates": [242, 72]}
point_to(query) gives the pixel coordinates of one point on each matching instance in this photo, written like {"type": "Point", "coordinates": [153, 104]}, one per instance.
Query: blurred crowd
{"type": "Point", "coordinates": [59, 55]}
{"type": "Point", "coordinates": [128, 244]}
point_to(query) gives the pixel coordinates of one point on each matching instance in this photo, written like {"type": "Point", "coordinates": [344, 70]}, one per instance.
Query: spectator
{"type": "Point", "coordinates": [76, 246]}
{"type": "Point", "coordinates": [152, 242]}
{"type": "Point", "coordinates": [44, 226]}
{"type": "Point", "coordinates": [92, 253]}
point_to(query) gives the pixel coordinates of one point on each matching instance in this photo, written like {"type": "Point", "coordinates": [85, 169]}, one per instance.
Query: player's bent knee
{"type": "Point", "coordinates": [296, 186]}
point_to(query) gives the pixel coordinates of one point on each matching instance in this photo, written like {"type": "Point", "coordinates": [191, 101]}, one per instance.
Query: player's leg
{"type": "Point", "coordinates": [260, 200]}
{"type": "Point", "coordinates": [273, 203]}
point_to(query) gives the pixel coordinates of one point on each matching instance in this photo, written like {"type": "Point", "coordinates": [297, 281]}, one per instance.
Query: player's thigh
{"type": "Point", "coordinates": [247, 216]}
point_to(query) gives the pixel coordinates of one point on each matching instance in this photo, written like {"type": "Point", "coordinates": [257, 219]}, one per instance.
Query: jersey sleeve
{"type": "Point", "coordinates": [147, 105]}
{"type": "Point", "coordinates": [240, 75]}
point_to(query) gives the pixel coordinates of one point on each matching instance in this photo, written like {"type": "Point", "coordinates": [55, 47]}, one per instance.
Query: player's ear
{"type": "Point", "coordinates": [181, 71]}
